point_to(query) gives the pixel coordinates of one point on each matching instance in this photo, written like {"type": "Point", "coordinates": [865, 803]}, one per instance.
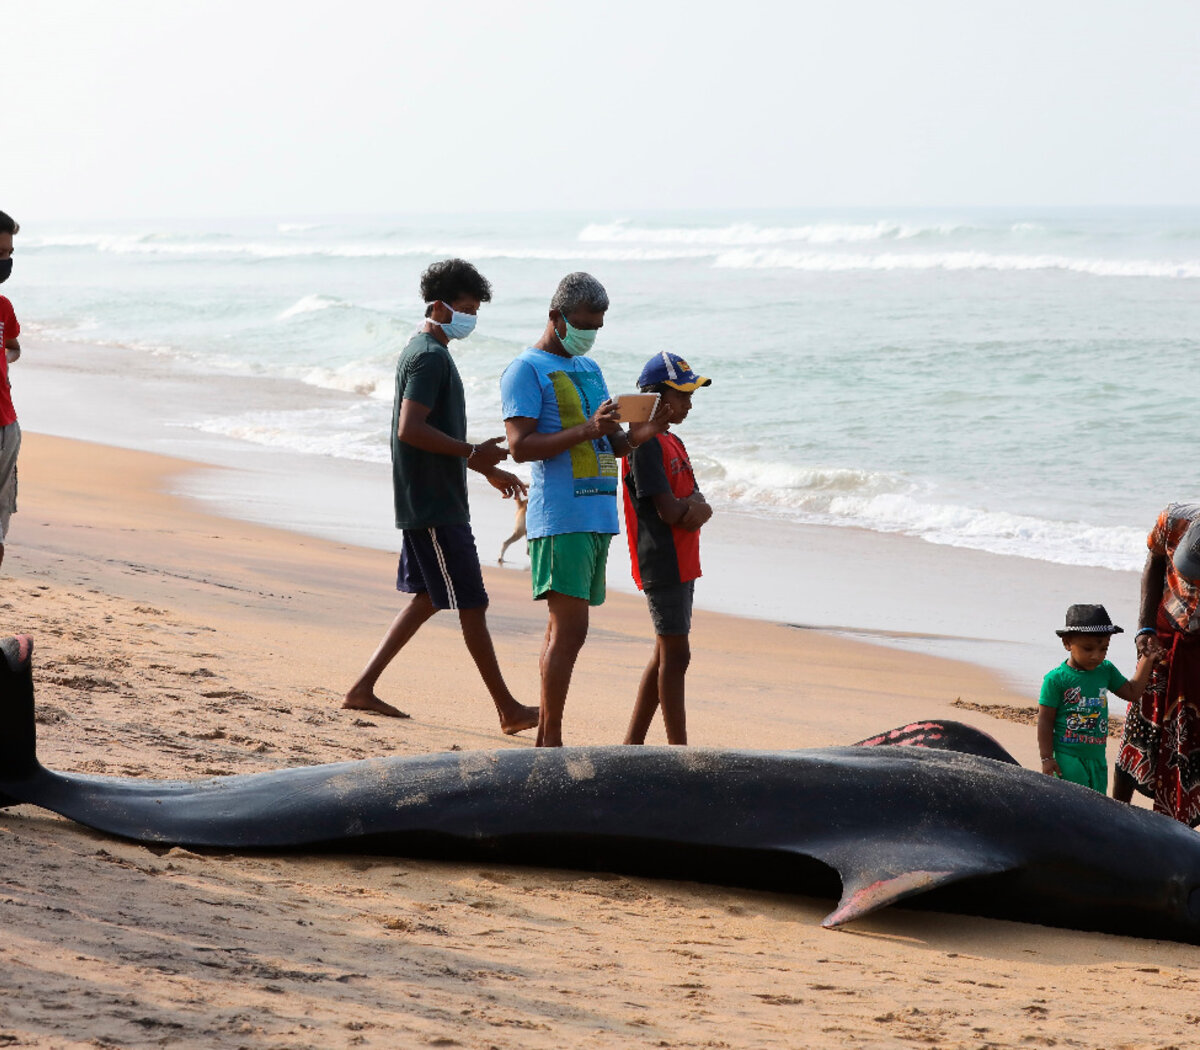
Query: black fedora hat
{"type": "Point", "coordinates": [1089, 619]}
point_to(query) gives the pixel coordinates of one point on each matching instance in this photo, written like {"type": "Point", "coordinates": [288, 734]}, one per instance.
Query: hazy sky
{"type": "Point", "coordinates": [144, 108]}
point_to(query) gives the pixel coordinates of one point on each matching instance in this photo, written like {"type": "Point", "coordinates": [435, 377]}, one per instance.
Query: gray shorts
{"type": "Point", "coordinates": [671, 607]}
{"type": "Point", "coordinates": [10, 445]}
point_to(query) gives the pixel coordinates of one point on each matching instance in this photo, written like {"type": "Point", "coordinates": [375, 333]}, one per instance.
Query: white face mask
{"type": "Point", "coordinates": [459, 326]}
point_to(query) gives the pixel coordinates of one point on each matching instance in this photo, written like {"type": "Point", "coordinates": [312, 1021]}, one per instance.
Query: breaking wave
{"type": "Point", "coordinates": [886, 502]}
{"type": "Point", "coordinates": [830, 262]}
{"type": "Point", "coordinates": [743, 233]}
{"type": "Point", "coordinates": [311, 304]}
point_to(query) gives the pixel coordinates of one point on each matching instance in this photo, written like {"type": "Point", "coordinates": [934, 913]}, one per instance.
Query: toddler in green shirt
{"type": "Point", "coordinates": [1072, 727]}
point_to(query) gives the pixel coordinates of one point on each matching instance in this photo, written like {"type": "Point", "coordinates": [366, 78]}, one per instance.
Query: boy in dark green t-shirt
{"type": "Point", "coordinates": [439, 564]}
{"type": "Point", "coordinates": [1072, 727]}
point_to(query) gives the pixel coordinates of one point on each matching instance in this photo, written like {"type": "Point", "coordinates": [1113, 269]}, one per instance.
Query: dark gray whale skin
{"type": "Point", "coordinates": [963, 832]}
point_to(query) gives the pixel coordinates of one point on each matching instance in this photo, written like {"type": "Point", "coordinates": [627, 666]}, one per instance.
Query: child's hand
{"type": "Point", "coordinates": [697, 514]}
{"type": "Point", "coordinates": [640, 433]}
{"type": "Point", "coordinates": [1051, 768]}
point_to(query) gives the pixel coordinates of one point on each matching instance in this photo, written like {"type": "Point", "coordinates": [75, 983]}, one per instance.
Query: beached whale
{"type": "Point", "coordinates": [876, 824]}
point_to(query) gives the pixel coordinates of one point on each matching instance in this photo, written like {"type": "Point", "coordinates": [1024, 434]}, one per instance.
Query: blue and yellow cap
{"type": "Point", "coordinates": [669, 368]}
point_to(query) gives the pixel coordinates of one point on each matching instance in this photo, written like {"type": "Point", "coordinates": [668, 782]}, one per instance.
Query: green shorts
{"type": "Point", "coordinates": [572, 563]}
{"type": "Point", "coordinates": [1090, 772]}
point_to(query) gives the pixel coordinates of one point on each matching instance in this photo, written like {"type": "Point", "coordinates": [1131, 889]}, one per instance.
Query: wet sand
{"type": "Point", "coordinates": [174, 643]}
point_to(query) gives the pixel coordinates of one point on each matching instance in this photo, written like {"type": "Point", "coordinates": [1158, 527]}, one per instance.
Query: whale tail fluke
{"type": "Point", "coordinates": [18, 733]}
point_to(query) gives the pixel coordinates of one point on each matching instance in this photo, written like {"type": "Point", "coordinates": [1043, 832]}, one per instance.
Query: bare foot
{"type": "Point", "coordinates": [372, 703]}
{"type": "Point", "coordinates": [548, 738]}
{"type": "Point", "coordinates": [524, 718]}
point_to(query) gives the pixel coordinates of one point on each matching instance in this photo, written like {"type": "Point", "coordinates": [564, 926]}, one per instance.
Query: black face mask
{"type": "Point", "coordinates": [5, 269]}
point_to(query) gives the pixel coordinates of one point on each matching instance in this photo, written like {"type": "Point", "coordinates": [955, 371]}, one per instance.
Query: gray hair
{"type": "Point", "coordinates": [579, 290]}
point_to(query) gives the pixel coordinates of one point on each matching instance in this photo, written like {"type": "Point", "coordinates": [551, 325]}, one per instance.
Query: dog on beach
{"type": "Point", "coordinates": [518, 528]}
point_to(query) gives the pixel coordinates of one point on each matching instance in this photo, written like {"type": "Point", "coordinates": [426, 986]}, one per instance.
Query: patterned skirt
{"type": "Point", "coordinates": [1160, 749]}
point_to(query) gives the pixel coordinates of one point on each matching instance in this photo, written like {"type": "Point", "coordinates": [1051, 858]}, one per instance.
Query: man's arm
{"type": "Point", "coordinates": [625, 441]}
{"type": "Point", "coordinates": [414, 429]}
{"type": "Point", "coordinates": [527, 444]}
{"type": "Point", "coordinates": [12, 350]}
{"type": "Point", "coordinates": [507, 484]}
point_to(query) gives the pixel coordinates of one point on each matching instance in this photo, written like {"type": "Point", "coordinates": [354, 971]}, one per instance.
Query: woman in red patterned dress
{"type": "Point", "coordinates": [1160, 750]}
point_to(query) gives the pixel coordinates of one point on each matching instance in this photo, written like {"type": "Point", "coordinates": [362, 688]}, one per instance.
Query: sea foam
{"type": "Point", "coordinates": [890, 502]}
{"type": "Point", "coordinates": [308, 431]}
{"type": "Point", "coordinates": [219, 250]}
{"type": "Point", "coordinates": [743, 233]}
{"type": "Point", "coordinates": [832, 262]}
{"type": "Point", "coordinates": [311, 304]}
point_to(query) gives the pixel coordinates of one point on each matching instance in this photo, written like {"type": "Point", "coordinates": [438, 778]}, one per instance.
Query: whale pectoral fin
{"type": "Point", "coordinates": [861, 900]}
{"type": "Point", "coordinates": [891, 876]}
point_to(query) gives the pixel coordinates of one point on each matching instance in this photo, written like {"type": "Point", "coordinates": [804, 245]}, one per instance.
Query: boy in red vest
{"type": "Point", "coordinates": [10, 350]}
{"type": "Point", "coordinates": [664, 510]}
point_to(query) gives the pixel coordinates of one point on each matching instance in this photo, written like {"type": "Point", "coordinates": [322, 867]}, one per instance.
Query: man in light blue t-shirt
{"type": "Point", "coordinates": [558, 415]}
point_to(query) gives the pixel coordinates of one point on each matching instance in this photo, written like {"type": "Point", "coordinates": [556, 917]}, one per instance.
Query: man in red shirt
{"type": "Point", "coordinates": [664, 510]}
{"type": "Point", "coordinates": [10, 430]}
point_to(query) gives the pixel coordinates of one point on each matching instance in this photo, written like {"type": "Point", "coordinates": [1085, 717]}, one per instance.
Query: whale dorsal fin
{"type": "Point", "coordinates": [942, 736]}
{"type": "Point", "coordinates": [17, 651]}
{"type": "Point", "coordinates": [18, 734]}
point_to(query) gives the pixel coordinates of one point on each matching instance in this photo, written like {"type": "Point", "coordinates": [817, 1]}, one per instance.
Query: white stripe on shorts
{"type": "Point", "coordinates": [441, 560]}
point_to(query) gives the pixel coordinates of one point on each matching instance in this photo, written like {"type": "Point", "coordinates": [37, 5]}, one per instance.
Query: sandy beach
{"type": "Point", "coordinates": [175, 643]}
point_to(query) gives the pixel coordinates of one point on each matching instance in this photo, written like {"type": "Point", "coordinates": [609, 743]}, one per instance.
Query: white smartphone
{"type": "Point", "coordinates": [636, 408]}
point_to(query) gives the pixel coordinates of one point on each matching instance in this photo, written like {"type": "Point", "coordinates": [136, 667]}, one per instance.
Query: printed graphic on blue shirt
{"type": "Point", "coordinates": [593, 466]}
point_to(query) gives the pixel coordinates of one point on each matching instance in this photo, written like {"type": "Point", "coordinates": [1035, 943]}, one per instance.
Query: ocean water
{"type": "Point", "coordinates": [1016, 382]}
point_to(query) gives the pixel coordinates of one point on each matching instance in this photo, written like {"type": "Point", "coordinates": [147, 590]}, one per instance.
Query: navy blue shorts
{"type": "Point", "coordinates": [443, 561]}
